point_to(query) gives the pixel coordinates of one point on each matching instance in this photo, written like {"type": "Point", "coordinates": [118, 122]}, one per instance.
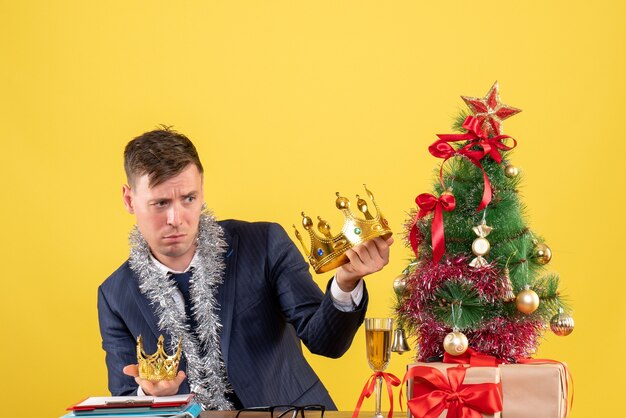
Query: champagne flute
{"type": "Point", "coordinates": [378, 343]}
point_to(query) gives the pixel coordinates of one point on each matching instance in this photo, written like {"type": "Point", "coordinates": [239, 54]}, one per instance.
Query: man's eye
{"type": "Point", "coordinates": [161, 204]}
{"type": "Point", "coordinates": [190, 199]}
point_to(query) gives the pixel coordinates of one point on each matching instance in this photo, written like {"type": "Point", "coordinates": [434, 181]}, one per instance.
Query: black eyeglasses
{"type": "Point", "coordinates": [287, 411]}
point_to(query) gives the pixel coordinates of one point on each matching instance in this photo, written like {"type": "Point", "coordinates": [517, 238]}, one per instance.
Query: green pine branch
{"type": "Point", "coordinates": [458, 305]}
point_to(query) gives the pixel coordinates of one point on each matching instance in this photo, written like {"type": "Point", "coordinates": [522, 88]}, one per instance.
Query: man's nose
{"type": "Point", "coordinates": [173, 216]}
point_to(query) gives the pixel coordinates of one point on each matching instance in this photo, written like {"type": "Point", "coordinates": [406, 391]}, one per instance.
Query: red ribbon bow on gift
{"type": "Point", "coordinates": [473, 358]}
{"type": "Point", "coordinates": [433, 394]}
{"type": "Point", "coordinates": [427, 204]}
{"type": "Point", "coordinates": [368, 389]}
{"type": "Point", "coordinates": [480, 146]}
{"type": "Point", "coordinates": [477, 359]}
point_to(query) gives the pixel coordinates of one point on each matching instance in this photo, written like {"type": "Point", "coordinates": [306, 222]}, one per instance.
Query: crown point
{"type": "Point", "coordinates": [324, 228]}
{"type": "Point", "coordinates": [342, 202]}
{"type": "Point", "coordinates": [362, 205]}
{"type": "Point", "coordinates": [307, 223]}
{"type": "Point", "coordinates": [304, 247]}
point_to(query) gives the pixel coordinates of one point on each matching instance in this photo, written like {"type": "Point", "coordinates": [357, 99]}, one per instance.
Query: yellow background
{"type": "Point", "coordinates": [288, 102]}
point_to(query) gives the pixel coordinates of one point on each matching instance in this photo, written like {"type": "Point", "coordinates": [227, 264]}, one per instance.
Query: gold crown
{"type": "Point", "coordinates": [157, 366]}
{"type": "Point", "coordinates": [327, 251]}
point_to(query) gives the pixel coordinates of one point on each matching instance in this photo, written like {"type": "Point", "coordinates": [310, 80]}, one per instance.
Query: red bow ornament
{"type": "Point", "coordinates": [428, 203]}
{"type": "Point", "coordinates": [433, 394]}
{"type": "Point", "coordinates": [480, 145]}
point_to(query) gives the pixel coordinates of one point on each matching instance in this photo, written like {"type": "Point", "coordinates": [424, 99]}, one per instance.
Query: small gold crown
{"type": "Point", "coordinates": [157, 366]}
{"type": "Point", "coordinates": [327, 251]}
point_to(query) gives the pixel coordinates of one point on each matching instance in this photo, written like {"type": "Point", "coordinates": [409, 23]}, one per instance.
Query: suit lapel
{"type": "Point", "coordinates": [144, 306]}
{"type": "Point", "coordinates": [226, 294]}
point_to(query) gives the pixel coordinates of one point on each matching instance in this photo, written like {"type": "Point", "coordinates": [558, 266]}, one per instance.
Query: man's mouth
{"type": "Point", "coordinates": [173, 237]}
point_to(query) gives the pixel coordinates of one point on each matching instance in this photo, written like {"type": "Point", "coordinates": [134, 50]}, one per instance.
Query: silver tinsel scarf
{"type": "Point", "coordinates": [206, 373]}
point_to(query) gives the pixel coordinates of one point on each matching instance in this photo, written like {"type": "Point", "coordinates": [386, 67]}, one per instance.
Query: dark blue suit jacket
{"type": "Point", "coordinates": [268, 304]}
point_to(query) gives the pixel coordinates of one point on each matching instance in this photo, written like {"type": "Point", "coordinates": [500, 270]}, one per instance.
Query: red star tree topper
{"type": "Point", "coordinates": [490, 111]}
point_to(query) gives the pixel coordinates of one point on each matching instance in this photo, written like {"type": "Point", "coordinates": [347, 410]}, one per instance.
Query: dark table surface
{"type": "Point", "coordinates": [327, 414]}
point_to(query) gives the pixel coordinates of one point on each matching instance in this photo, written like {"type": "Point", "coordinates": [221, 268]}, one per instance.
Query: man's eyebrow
{"type": "Point", "coordinates": [159, 199]}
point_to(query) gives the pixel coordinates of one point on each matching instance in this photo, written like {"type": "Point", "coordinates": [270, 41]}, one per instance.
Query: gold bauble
{"type": "Point", "coordinates": [480, 246]}
{"type": "Point", "coordinates": [455, 343]}
{"type": "Point", "coordinates": [399, 284]}
{"type": "Point", "coordinates": [542, 253]}
{"type": "Point", "coordinates": [562, 324]}
{"type": "Point", "coordinates": [511, 171]}
{"type": "Point", "coordinates": [527, 301]}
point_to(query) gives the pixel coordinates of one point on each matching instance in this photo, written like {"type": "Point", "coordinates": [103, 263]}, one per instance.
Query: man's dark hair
{"type": "Point", "coordinates": [161, 154]}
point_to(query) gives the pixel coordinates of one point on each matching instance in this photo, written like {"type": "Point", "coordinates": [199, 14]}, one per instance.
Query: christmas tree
{"type": "Point", "coordinates": [479, 275]}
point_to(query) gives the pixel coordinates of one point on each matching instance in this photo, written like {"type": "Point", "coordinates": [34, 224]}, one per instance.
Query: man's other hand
{"type": "Point", "coordinates": [366, 258]}
{"type": "Point", "coordinates": [155, 388]}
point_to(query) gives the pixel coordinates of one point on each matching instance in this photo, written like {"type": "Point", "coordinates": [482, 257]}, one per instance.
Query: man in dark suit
{"type": "Point", "coordinates": [239, 294]}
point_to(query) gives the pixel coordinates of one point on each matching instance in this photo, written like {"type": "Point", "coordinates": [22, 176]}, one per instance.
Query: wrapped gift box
{"type": "Point", "coordinates": [473, 375]}
{"type": "Point", "coordinates": [534, 390]}
{"type": "Point", "coordinates": [537, 390]}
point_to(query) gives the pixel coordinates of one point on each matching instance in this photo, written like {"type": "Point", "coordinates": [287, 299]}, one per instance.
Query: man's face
{"type": "Point", "coordinates": [168, 215]}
